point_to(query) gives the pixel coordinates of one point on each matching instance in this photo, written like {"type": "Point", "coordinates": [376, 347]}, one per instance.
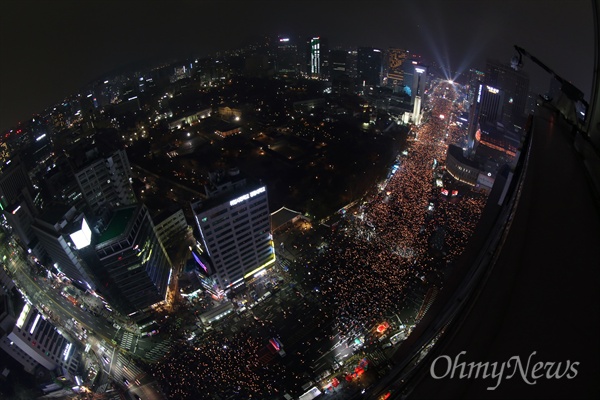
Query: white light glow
{"type": "Point", "coordinates": [247, 196]}
{"type": "Point", "coordinates": [66, 352]}
{"type": "Point", "coordinates": [23, 315]}
{"type": "Point", "coordinates": [83, 237]}
{"type": "Point", "coordinates": [35, 322]}
{"type": "Point", "coordinates": [492, 89]}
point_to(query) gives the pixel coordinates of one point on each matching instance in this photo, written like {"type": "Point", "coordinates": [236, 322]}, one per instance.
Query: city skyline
{"type": "Point", "coordinates": [55, 48]}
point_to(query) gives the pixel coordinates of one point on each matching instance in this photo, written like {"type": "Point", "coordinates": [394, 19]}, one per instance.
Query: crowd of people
{"type": "Point", "coordinates": [223, 363]}
{"type": "Point", "coordinates": [382, 252]}
{"type": "Point", "coordinates": [385, 250]}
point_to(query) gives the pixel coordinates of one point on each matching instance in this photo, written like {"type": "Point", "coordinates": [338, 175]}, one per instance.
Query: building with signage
{"type": "Point", "coordinates": [491, 101]}
{"type": "Point", "coordinates": [494, 142]}
{"type": "Point", "coordinates": [235, 229]}
{"type": "Point", "coordinates": [461, 168]}
{"type": "Point", "coordinates": [287, 59]}
{"type": "Point", "coordinates": [486, 108]}
{"type": "Point", "coordinates": [515, 85]}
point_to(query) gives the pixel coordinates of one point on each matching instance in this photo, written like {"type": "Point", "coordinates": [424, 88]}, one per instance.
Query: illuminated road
{"type": "Point", "coordinates": [63, 313]}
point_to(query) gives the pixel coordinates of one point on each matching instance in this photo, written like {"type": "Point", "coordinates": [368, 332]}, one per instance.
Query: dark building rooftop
{"type": "Point", "coordinates": [457, 153]}
{"type": "Point", "coordinates": [118, 224]}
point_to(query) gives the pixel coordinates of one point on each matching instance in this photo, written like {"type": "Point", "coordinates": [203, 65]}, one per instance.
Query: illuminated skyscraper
{"type": "Point", "coordinates": [318, 58]}
{"type": "Point", "coordinates": [475, 78]}
{"type": "Point", "coordinates": [395, 67]}
{"type": "Point", "coordinates": [487, 107]}
{"type": "Point", "coordinates": [235, 228]}
{"type": "Point", "coordinates": [419, 80]}
{"type": "Point", "coordinates": [492, 102]}
{"type": "Point", "coordinates": [315, 57]}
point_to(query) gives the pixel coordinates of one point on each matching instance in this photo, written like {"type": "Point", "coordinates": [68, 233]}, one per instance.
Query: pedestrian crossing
{"type": "Point", "coordinates": [284, 263]}
{"type": "Point", "coordinates": [377, 357]}
{"type": "Point", "coordinates": [157, 352]}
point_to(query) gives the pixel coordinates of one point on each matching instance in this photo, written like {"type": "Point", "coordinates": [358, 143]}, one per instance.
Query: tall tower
{"type": "Point", "coordinates": [235, 227]}
{"type": "Point", "coordinates": [286, 56]}
{"type": "Point", "coordinates": [515, 85]}
{"type": "Point", "coordinates": [474, 111]}
{"type": "Point", "coordinates": [395, 67]}
{"type": "Point", "coordinates": [475, 78]}
{"type": "Point", "coordinates": [368, 65]}
{"type": "Point", "coordinates": [417, 110]}
{"type": "Point", "coordinates": [17, 202]}
{"type": "Point", "coordinates": [130, 264]}
{"type": "Point", "coordinates": [492, 104]}
{"type": "Point", "coordinates": [487, 107]}
{"type": "Point", "coordinates": [338, 63]}
{"type": "Point", "coordinates": [318, 58]}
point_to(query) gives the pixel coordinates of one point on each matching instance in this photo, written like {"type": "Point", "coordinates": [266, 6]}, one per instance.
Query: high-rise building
{"type": "Point", "coordinates": [419, 80]}
{"type": "Point", "coordinates": [486, 107]}
{"type": "Point", "coordinates": [491, 101]}
{"type": "Point", "coordinates": [130, 265]}
{"type": "Point", "coordinates": [515, 85]}
{"type": "Point", "coordinates": [287, 60]}
{"type": "Point", "coordinates": [105, 180]}
{"type": "Point", "coordinates": [235, 228]}
{"type": "Point", "coordinates": [474, 79]}
{"type": "Point", "coordinates": [368, 65]}
{"type": "Point", "coordinates": [395, 67]}
{"type": "Point", "coordinates": [338, 62]}
{"type": "Point", "coordinates": [318, 58]}
{"type": "Point", "coordinates": [352, 63]}
{"type": "Point", "coordinates": [62, 231]}
{"type": "Point", "coordinates": [17, 202]}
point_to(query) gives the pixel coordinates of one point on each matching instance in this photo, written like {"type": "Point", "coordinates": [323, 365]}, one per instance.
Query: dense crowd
{"type": "Point", "coordinates": [382, 253]}
{"type": "Point", "coordinates": [386, 248]}
{"type": "Point", "coordinates": [222, 363]}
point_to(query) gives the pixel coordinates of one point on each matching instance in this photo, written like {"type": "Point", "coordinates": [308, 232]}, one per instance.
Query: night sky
{"type": "Point", "coordinates": [50, 49]}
